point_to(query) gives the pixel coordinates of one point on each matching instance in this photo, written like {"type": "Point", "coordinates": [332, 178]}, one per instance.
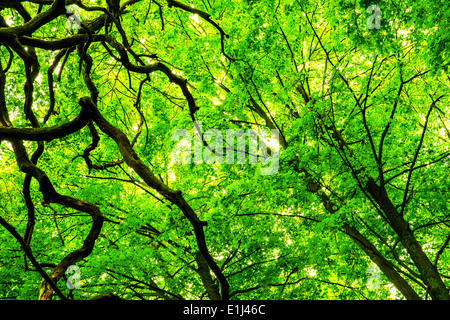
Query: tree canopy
{"type": "Point", "coordinates": [93, 201]}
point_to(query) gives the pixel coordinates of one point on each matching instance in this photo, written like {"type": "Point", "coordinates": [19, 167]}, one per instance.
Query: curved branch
{"type": "Point", "coordinates": [174, 196]}
{"type": "Point", "coordinates": [30, 256]}
{"type": "Point", "coordinates": [46, 134]}
{"type": "Point", "coordinates": [50, 195]}
{"type": "Point", "coordinates": [205, 16]}
{"type": "Point", "coordinates": [57, 9]}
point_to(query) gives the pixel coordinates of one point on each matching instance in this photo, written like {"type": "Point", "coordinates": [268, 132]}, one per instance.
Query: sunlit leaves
{"type": "Point", "coordinates": [315, 71]}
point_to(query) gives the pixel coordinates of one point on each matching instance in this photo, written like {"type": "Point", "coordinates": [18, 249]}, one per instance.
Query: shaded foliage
{"type": "Point", "coordinates": [89, 179]}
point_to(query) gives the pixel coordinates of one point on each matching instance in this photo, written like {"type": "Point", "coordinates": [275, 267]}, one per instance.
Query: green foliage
{"type": "Point", "coordinates": [342, 96]}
